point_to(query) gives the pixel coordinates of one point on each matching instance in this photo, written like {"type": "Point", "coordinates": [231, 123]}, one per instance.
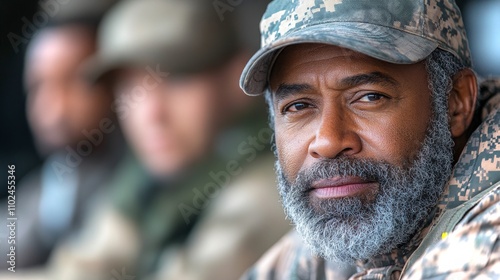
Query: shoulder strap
{"type": "Point", "coordinates": [446, 223]}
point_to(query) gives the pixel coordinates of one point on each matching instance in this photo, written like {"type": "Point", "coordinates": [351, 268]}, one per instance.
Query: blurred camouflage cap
{"type": "Point", "coordinates": [180, 35]}
{"type": "Point", "coordinates": [396, 31]}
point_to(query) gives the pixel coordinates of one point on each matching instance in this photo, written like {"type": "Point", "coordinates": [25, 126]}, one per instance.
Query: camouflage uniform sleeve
{"type": "Point", "coordinates": [273, 264]}
{"type": "Point", "coordinates": [471, 251]}
{"type": "Point", "coordinates": [291, 259]}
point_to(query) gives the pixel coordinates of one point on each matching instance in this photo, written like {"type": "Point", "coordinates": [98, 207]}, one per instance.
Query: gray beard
{"type": "Point", "coordinates": [356, 228]}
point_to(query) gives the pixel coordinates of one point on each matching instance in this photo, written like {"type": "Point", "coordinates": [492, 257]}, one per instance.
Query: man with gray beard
{"type": "Point", "coordinates": [374, 106]}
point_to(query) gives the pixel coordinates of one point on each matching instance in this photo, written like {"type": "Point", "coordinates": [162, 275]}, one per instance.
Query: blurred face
{"type": "Point", "coordinates": [362, 158]}
{"type": "Point", "coordinates": [169, 121]}
{"type": "Point", "coordinates": [60, 104]}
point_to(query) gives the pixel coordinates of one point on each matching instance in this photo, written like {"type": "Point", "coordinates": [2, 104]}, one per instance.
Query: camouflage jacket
{"type": "Point", "coordinates": [460, 241]}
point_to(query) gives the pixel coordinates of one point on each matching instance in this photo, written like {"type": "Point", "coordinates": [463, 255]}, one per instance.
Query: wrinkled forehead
{"type": "Point", "coordinates": [299, 60]}
{"type": "Point", "coordinates": [312, 52]}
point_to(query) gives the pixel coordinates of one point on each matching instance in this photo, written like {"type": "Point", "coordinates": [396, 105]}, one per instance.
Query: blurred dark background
{"type": "Point", "coordinates": [16, 144]}
{"type": "Point", "coordinates": [482, 20]}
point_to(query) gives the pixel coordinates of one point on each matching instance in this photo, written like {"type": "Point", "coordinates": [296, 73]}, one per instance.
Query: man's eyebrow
{"type": "Point", "coordinates": [369, 78]}
{"type": "Point", "coordinates": [285, 90]}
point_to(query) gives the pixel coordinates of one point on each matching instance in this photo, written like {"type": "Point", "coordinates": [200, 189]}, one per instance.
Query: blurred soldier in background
{"type": "Point", "coordinates": [72, 125]}
{"type": "Point", "coordinates": [174, 67]}
{"type": "Point", "coordinates": [203, 205]}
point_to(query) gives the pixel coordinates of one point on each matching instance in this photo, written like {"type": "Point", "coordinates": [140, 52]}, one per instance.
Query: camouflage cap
{"type": "Point", "coordinates": [180, 35]}
{"type": "Point", "coordinates": [396, 31]}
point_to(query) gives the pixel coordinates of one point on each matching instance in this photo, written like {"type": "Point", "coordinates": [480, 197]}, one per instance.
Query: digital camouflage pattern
{"type": "Point", "coordinates": [473, 248]}
{"type": "Point", "coordinates": [393, 30]}
{"type": "Point", "coordinates": [471, 251]}
{"type": "Point", "coordinates": [482, 154]}
{"type": "Point", "coordinates": [462, 241]}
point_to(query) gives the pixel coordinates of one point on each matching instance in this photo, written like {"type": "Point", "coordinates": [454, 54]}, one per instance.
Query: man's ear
{"type": "Point", "coordinates": [462, 101]}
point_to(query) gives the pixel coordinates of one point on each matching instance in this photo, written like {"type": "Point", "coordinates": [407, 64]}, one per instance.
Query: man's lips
{"type": "Point", "coordinates": [339, 187]}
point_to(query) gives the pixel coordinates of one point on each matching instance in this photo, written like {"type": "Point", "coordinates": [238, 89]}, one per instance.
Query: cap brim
{"type": "Point", "coordinates": [96, 67]}
{"type": "Point", "coordinates": [101, 64]}
{"type": "Point", "coordinates": [380, 42]}
{"type": "Point", "coordinates": [178, 60]}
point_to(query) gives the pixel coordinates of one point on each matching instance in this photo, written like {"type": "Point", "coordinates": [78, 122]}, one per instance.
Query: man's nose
{"type": "Point", "coordinates": [335, 136]}
{"type": "Point", "coordinates": [154, 107]}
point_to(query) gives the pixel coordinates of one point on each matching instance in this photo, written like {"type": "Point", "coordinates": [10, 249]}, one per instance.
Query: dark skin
{"type": "Point", "coordinates": [331, 103]}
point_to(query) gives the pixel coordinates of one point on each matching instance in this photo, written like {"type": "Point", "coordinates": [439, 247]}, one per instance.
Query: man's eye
{"type": "Point", "coordinates": [296, 107]}
{"type": "Point", "coordinates": [371, 97]}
